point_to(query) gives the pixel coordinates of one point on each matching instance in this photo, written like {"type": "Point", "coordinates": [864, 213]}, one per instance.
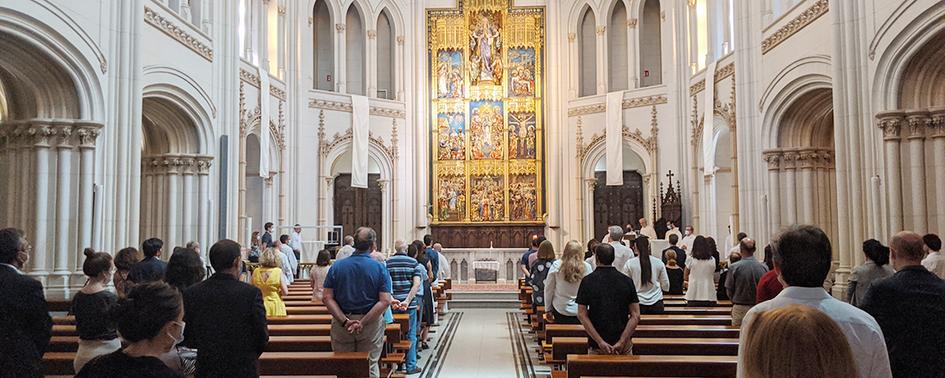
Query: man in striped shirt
{"type": "Point", "coordinates": [405, 280]}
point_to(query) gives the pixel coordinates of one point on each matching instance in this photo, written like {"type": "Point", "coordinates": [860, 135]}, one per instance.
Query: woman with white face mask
{"type": "Point", "coordinates": [150, 320]}
{"type": "Point", "coordinates": [97, 334]}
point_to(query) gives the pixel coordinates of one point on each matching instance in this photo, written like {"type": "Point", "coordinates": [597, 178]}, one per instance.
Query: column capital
{"type": "Point", "coordinates": [38, 133]}
{"type": "Point", "coordinates": [890, 123]}
{"type": "Point", "coordinates": [590, 183]}
{"type": "Point", "coordinates": [773, 158]}
{"type": "Point", "coordinates": [789, 160]}
{"type": "Point", "coordinates": [571, 37]}
{"type": "Point", "coordinates": [400, 40]}
{"type": "Point", "coordinates": [383, 184]}
{"type": "Point", "coordinates": [601, 30]}
{"type": "Point", "coordinates": [340, 28]}
{"type": "Point", "coordinates": [188, 165]}
{"type": "Point", "coordinates": [372, 34]}
{"type": "Point", "coordinates": [937, 124]}
{"type": "Point", "coordinates": [632, 23]}
{"type": "Point", "coordinates": [88, 133]}
{"type": "Point", "coordinates": [203, 165]}
{"type": "Point", "coordinates": [918, 121]}
{"type": "Point", "coordinates": [64, 135]}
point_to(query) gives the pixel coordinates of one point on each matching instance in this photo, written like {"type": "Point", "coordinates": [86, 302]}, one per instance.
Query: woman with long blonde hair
{"type": "Point", "coordinates": [269, 278]}
{"type": "Point", "coordinates": [561, 286]}
{"type": "Point", "coordinates": [795, 341]}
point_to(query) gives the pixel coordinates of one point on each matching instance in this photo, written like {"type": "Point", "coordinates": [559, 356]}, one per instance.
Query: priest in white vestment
{"type": "Point", "coordinates": [686, 242]}
{"type": "Point", "coordinates": [672, 230]}
{"type": "Point", "coordinates": [647, 230]}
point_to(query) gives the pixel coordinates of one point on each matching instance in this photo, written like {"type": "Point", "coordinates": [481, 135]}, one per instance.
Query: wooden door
{"type": "Point", "coordinates": [356, 207]}
{"type": "Point", "coordinates": [617, 205]}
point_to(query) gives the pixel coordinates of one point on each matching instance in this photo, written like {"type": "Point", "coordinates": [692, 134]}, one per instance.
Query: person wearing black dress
{"type": "Point", "coordinates": [97, 334]}
{"type": "Point", "coordinates": [150, 320]}
{"type": "Point", "coordinates": [675, 272]}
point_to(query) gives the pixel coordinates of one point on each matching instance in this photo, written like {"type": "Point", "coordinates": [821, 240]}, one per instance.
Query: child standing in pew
{"type": "Point", "coordinates": [268, 278]}
{"type": "Point", "coordinates": [675, 273]}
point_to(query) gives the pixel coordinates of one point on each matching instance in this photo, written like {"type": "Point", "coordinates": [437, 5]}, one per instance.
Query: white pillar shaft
{"type": "Point", "coordinates": [147, 203]}
{"type": "Point", "coordinates": [22, 210]}
{"type": "Point", "coordinates": [159, 203]}
{"type": "Point", "coordinates": [40, 232]}
{"type": "Point", "coordinates": [790, 189]}
{"type": "Point", "coordinates": [774, 200]}
{"type": "Point", "coordinates": [601, 60]}
{"type": "Point", "coordinates": [203, 189]}
{"type": "Point", "coordinates": [809, 196]}
{"type": "Point", "coordinates": [63, 208]}
{"type": "Point", "coordinates": [894, 185]}
{"type": "Point", "coordinates": [173, 204]}
{"type": "Point", "coordinates": [917, 184]}
{"type": "Point", "coordinates": [341, 60]}
{"type": "Point", "coordinates": [188, 219]}
{"type": "Point", "coordinates": [86, 178]}
{"type": "Point", "coordinates": [938, 167]}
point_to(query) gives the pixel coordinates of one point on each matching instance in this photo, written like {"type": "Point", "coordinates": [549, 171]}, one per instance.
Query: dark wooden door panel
{"type": "Point", "coordinates": [617, 205]}
{"type": "Point", "coordinates": [356, 207]}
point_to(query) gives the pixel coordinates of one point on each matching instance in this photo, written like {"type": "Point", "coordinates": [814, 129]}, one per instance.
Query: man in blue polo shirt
{"type": "Point", "coordinates": [357, 292]}
{"type": "Point", "coordinates": [405, 280]}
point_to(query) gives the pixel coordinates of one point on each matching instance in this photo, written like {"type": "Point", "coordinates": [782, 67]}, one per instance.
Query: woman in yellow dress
{"type": "Point", "coordinates": [268, 278]}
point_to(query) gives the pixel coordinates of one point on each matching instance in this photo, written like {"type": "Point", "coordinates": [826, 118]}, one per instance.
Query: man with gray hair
{"type": "Point", "coordinates": [346, 250]}
{"type": "Point", "coordinates": [357, 293]}
{"type": "Point", "coordinates": [622, 253]}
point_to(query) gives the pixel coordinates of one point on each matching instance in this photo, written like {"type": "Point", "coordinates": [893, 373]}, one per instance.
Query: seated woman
{"type": "Point", "coordinates": [561, 286]}
{"type": "Point", "coordinates": [124, 260]}
{"type": "Point", "coordinates": [268, 278]}
{"type": "Point", "coordinates": [97, 335]}
{"type": "Point", "coordinates": [795, 341]}
{"type": "Point", "coordinates": [675, 273]}
{"type": "Point", "coordinates": [150, 320]}
{"type": "Point", "coordinates": [318, 274]}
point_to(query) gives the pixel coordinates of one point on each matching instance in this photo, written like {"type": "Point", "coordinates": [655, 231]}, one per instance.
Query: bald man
{"type": "Point", "coordinates": [910, 307]}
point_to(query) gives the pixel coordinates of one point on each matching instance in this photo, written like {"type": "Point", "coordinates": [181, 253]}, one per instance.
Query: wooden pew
{"type": "Point", "coordinates": [563, 346]}
{"type": "Point", "coordinates": [553, 331]}
{"type": "Point", "coordinates": [650, 366]}
{"type": "Point", "coordinates": [674, 319]}
{"type": "Point", "coordinates": [392, 333]}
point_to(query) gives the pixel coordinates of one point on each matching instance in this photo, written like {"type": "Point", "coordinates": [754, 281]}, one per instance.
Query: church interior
{"type": "Point", "coordinates": [482, 123]}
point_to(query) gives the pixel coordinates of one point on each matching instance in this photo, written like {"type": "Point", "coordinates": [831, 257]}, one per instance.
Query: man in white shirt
{"type": "Point", "coordinates": [802, 258]}
{"type": "Point", "coordinates": [444, 271]}
{"type": "Point", "coordinates": [935, 261]}
{"type": "Point", "coordinates": [622, 253]}
{"type": "Point", "coordinates": [687, 239]}
{"type": "Point", "coordinates": [725, 254]}
{"type": "Point", "coordinates": [293, 263]}
{"type": "Point", "coordinates": [672, 230]}
{"type": "Point", "coordinates": [295, 240]}
{"type": "Point", "coordinates": [647, 230]}
{"type": "Point", "coordinates": [346, 250]}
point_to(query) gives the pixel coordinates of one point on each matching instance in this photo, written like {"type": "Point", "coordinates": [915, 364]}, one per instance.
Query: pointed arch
{"type": "Point", "coordinates": [587, 52]}
{"type": "Point", "coordinates": [386, 66]}
{"type": "Point", "coordinates": [355, 48]}
{"type": "Point", "coordinates": [618, 47]}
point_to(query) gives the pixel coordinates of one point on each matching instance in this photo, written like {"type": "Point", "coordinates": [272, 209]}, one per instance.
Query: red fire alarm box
{"type": "Point", "coordinates": [646, 73]}
{"type": "Point", "coordinates": [328, 77]}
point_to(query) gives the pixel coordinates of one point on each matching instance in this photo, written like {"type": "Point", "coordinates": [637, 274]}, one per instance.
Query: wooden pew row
{"type": "Point", "coordinates": [270, 363]}
{"type": "Point", "coordinates": [553, 331]}
{"type": "Point", "coordinates": [564, 346]}
{"type": "Point", "coordinates": [650, 366]}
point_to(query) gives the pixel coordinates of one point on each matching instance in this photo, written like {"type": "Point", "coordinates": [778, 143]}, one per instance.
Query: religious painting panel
{"type": "Point", "coordinates": [522, 135]}
{"type": "Point", "coordinates": [485, 47]}
{"type": "Point", "coordinates": [523, 198]}
{"type": "Point", "coordinates": [487, 199]}
{"type": "Point", "coordinates": [521, 72]}
{"type": "Point", "coordinates": [449, 74]}
{"type": "Point", "coordinates": [486, 114]}
{"type": "Point", "coordinates": [451, 137]}
{"type": "Point", "coordinates": [486, 134]}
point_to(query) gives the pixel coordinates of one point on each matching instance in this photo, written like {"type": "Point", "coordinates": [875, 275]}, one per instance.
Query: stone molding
{"type": "Point", "coordinates": [346, 107]}
{"type": "Point", "coordinates": [637, 102]}
{"type": "Point", "coordinates": [809, 15]}
{"type": "Point", "coordinates": [177, 33]}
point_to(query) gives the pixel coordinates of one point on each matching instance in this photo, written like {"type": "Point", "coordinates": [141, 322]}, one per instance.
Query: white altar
{"type": "Point", "coordinates": [461, 261]}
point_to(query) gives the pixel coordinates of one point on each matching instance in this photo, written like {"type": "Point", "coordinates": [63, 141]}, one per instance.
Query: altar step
{"type": "Point", "coordinates": [484, 299]}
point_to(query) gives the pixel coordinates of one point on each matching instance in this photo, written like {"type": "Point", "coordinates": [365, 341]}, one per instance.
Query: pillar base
{"type": "Point", "coordinates": [58, 286]}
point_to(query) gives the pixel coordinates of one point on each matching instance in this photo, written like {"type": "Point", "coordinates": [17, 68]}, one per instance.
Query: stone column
{"type": "Point", "coordinates": [282, 183]}
{"type": "Point", "coordinates": [340, 59]}
{"type": "Point", "coordinates": [283, 39]}
{"type": "Point", "coordinates": [147, 198]}
{"type": "Point", "coordinates": [773, 158]}
{"type": "Point", "coordinates": [917, 121]}
{"type": "Point", "coordinates": [159, 198]}
{"type": "Point", "coordinates": [790, 161]}
{"type": "Point", "coordinates": [64, 221]}
{"type": "Point", "coordinates": [248, 36]}
{"type": "Point", "coordinates": [601, 59]}
{"type": "Point", "coordinates": [25, 155]}
{"type": "Point", "coordinates": [87, 134]}
{"type": "Point", "coordinates": [807, 187]}
{"type": "Point", "coordinates": [890, 123]}
{"type": "Point", "coordinates": [174, 164]}
{"type": "Point", "coordinates": [937, 133]}
{"type": "Point", "coordinates": [398, 71]}
{"type": "Point", "coordinates": [589, 184]}
{"type": "Point", "coordinates": [633, 66]}
{"type": "Point", "coordinates": [203, 205]}
{"type": "Point", "coordinates": [693, 37]}
{"type": "Point", "coordinates": [39, 134]}
{"type": "Point", "coordinates": [189, 169]}
{"type": "Point", "coordinates": [241, 197]}
{"type": "Point", "coordinates": [323, 205]}
{"type": "Point", "coordinates": [371, 63]}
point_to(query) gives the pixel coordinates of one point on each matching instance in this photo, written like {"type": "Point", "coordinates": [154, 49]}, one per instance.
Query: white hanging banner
{"type": "Point", "coordinates": [263, 123]}
{"type": "Point", "coordinates": [360, 129]}
{"type": "Point", "coordinates": [708, 127]}
{"type": "Point", "coordinates": [613, 136]}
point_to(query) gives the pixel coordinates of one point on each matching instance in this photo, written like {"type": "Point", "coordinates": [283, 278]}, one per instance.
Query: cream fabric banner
{"type": "Point", "coordinates": [708, 127]}
{"type": "Point", "coordinates": [263, 123]}
{"type": "Point", "coordinates": [613, 137]}
{"type": "Point", "coordinates": [360, 128]}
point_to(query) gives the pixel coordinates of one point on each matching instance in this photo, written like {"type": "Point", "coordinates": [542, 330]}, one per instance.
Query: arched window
{"type": "Point", "coordinates": [324, 50]}
{"type": "Point", "coordinates": [587, 59]}
{"type": "Point", "coordinates": [354, 51]}
{"type": "Point", "coordinates": [651, 56]}
{"type": "Point", "coordinates": [617, 49]}
{"type": "Point", "coordinates": [385, 56]}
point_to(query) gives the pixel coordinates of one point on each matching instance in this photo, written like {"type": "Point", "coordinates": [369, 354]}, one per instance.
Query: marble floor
{"type": "Point", "coordinates": [478, 343]}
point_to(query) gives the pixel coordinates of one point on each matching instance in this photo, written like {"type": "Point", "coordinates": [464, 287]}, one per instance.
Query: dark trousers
{"type": "Point", "coordinates": [564, 319]}
{"type": "Point", "coordinates": [700, 303]}
{"type": "Point", "coordinates": [298, 257]}
{"type": "Point", "coordinates": [656, 308]}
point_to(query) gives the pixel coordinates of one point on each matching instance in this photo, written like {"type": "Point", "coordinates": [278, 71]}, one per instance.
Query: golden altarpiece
{"type": "Point", "coordinates": [486, 128]}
